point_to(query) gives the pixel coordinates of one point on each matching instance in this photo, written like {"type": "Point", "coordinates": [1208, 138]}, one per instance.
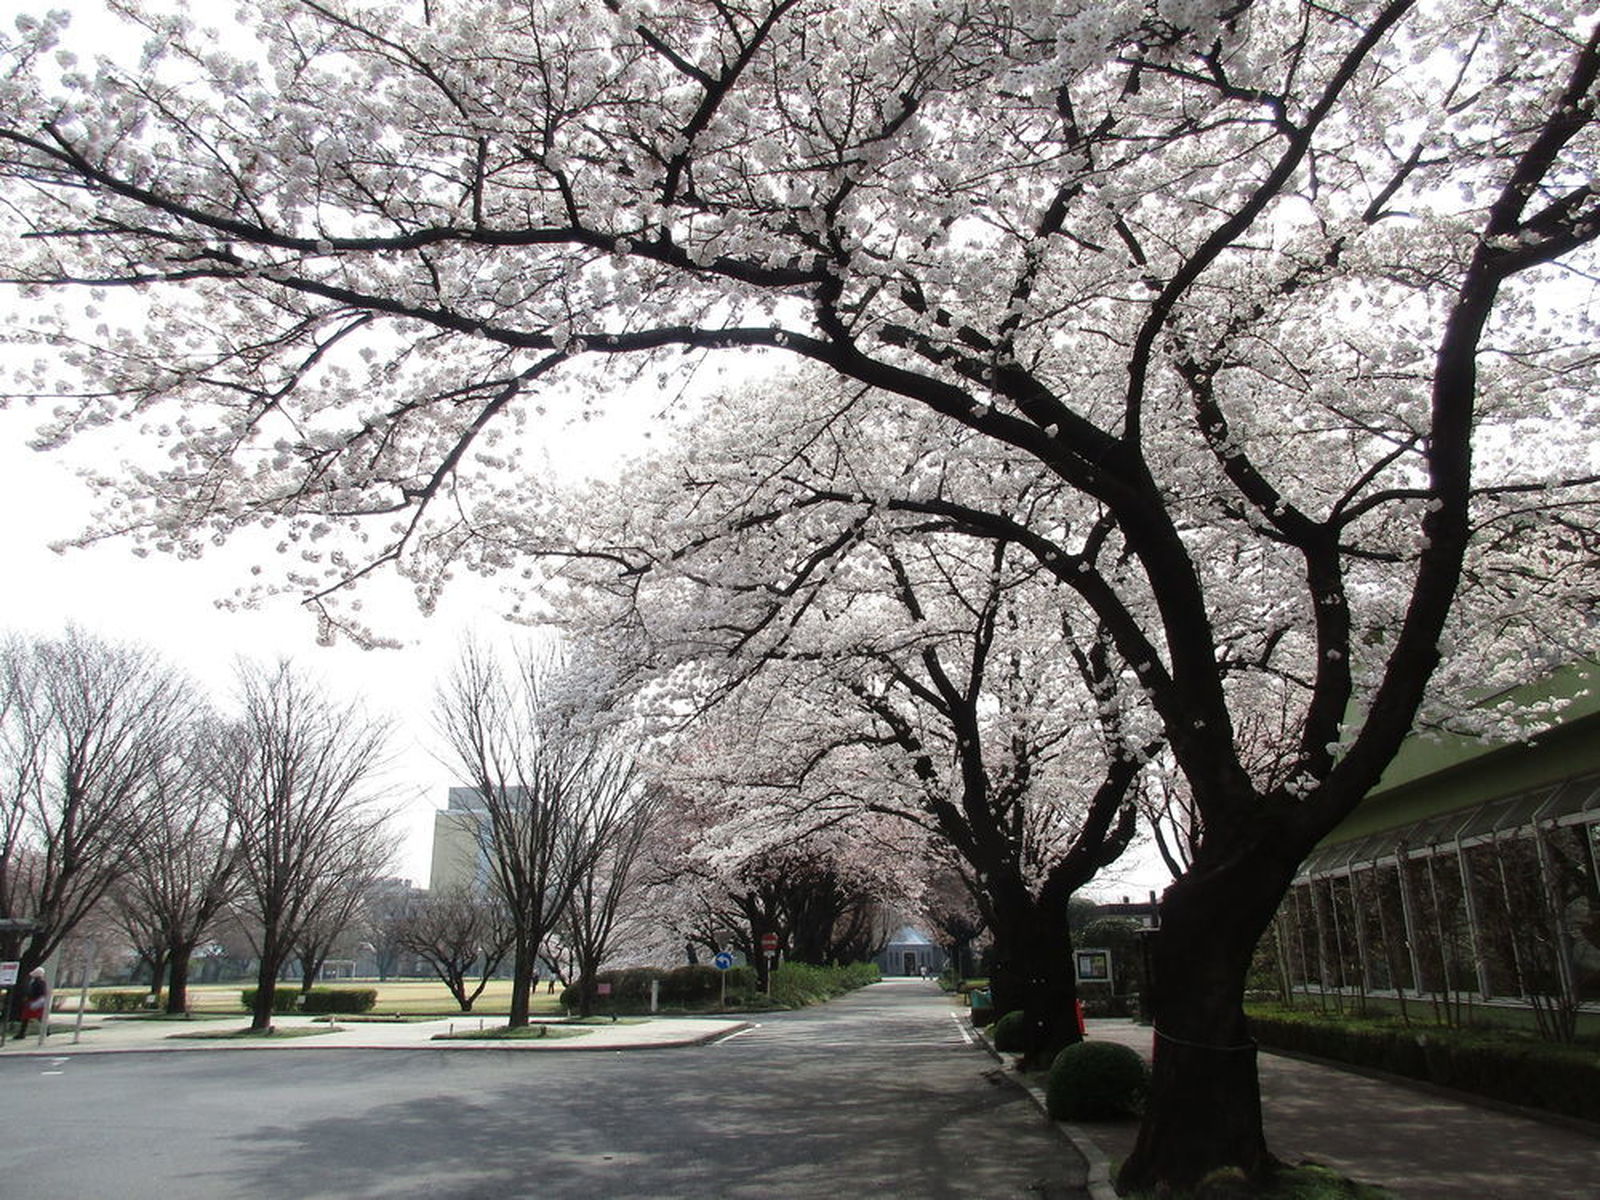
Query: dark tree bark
{"type": "Point", "coordinates": [1208, 1106]}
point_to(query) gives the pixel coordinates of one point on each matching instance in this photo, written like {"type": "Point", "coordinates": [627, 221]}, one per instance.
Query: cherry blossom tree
{"type": "Point", "coordinates": [1011, 738]}
{"type": "Point", "coordinates": [765, 830]}
{"type": "Point", "coordinates": [1296, 293]}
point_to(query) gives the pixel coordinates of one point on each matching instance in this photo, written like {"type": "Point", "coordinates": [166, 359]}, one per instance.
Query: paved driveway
{"type": "Point", "coordinates": [878, 1094]}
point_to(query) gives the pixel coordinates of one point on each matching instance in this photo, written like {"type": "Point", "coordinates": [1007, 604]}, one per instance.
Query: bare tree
{"type": "Point", "coordinates": [386, 911]}
{"type": "Point", "coordinates": [302, 770]}
{"type": "Point", "coordinates": [184, 871]}
{"type": "Point", "coordinates": [545, 771]}
{"type": "Point", "coordinates": [608, 887]}
{"type": "Point", "coordinates": [87, 728]}
{"type": "Point", "coordinates": [454, 932]}
{"type": "Point", "coordinates": [342, 893]}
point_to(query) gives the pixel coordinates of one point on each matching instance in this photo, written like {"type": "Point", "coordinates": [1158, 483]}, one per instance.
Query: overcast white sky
{"type": "Point", "coordinates": [172, 606]}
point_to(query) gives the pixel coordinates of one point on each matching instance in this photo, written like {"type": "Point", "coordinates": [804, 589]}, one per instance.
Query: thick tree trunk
{"type": "Point", "coordinates": [1204, 1112]}
{"type": "Point", "coordinates": [274, 957]}
{"type": "Point", "coordinates": [178, 956]}
{"type": "Point", "coordinates": [521, 981]}
{"type": "Point", "coordinates": [266, 988]}
{"type": "Point", "coordinates": [1031, 971]}
{"type": "Point", "coordinates": [1050, 990]}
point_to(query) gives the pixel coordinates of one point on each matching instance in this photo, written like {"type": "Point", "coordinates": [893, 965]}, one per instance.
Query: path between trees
{"type": "Point", "coordinates": [882, 1092]}
{"type": "Point", "coordinates": [1421, 1144]}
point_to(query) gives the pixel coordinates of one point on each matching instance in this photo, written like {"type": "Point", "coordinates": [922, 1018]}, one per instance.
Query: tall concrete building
{"type": "Point", "coordinates": [458, 856]}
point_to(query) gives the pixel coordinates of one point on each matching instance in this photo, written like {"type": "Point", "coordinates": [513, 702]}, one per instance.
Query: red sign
{"type": "Point", "coordinates": [769, 942]}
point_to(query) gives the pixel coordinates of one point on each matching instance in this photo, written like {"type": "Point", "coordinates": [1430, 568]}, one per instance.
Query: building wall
{"type": "Point", "coordinates": [456, 855]}
{"type": "Point", "coordinates": [1472, 872]}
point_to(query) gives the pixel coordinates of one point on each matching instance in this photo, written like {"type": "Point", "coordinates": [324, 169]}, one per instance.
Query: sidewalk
{"type": "Point", "coordinates": [102, 1035]}
{"type": "Point", "coordinates": [1414, 1141]}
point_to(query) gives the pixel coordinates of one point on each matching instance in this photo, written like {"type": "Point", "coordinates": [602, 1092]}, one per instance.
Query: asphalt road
{"type": "Point", "coordinates": [877, 1094]}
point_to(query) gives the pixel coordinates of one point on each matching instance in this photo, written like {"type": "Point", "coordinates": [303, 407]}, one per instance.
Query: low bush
{"type": "Point", "coordinates": [1092, 1081]}
{"type": "Point", "coordinates": [795, 985]}
{"type": "Point", "coordinates": [287, 1000]}
{"type": "Point", "coordinates": [1011, 1033]}
{"type": "Point", "coordinates": [691, 986]}
{"type": "Point", "coordinates": [628, 990]}
{"type": "Point", "coordinates": [1501, 1064]}
{"type": "Point", "coordinates": [121, 1002]}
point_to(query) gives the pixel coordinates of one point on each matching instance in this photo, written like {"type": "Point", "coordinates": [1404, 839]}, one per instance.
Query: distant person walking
{"type": "Point", "coordinates": [37, 1002]}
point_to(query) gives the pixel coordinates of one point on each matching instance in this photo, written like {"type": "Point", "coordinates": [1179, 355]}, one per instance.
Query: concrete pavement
{"type": "Point", "coordinates": [879, 1093]}
{"type": "Point", "coordinates": [1417, 1142]}
{"type": "Point", "coordinates": [101, 1035]}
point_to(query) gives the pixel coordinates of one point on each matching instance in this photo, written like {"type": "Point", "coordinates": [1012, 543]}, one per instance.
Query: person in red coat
{"type": "Point", "coordinates": [37, 1002]}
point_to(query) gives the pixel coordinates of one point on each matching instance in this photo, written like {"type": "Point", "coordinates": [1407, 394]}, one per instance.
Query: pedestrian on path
{"type": "Point", "coordinates": [37, 1002]}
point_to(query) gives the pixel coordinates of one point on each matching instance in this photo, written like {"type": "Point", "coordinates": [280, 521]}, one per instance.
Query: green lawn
{"type": "Point", "coordinates": [501, 1033]}
{"type": "Point", "coordinates": [278, 1033]}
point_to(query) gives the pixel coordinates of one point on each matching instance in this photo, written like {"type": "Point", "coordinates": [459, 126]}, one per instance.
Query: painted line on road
{"type": "Point", "coordinates": [737, 1033]}
{"type": "Point", "coordinates": [967, 1035]}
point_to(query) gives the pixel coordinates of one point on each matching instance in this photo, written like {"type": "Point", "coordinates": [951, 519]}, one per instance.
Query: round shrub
{"type": "Point", "coordinates": [1096, 1080]}
{"type": "Point", "coordinates": [1011, 1033]}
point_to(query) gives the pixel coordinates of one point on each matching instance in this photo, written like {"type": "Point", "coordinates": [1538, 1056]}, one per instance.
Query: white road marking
{"type": "Point", "coordinates": [967, 1035]}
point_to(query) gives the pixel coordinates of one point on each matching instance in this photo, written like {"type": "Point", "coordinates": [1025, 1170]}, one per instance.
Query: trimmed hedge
{"type": "Point", "coordinates": [1011, 1032]}
{"type": "Point", "coordinates": [793, 985]}
{"type": "Point", "coordinates": [286, 1000]}
{"type": "Point", "coordinates": [1500, 1065]}
{"type": "Point", "coordinates": [696, 986]}
{"type": "Point", "coordinates": [122, 1002]}
{"type": "Point", "coordinates": [797, 984]}
{"type": "Point", "coordinates": [1092, 1081]}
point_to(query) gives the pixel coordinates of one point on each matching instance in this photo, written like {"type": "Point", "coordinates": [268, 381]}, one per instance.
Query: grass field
{"type": "Point", "coordinates": [399, 997]}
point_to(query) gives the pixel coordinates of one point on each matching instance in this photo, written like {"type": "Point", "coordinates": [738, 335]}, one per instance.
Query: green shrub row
{"type": "Point", "coordinates": [317, 1000]}
{"type": "Point", "coordinates": [681, 987]}
{"type": "Point", "coordinates": [795, 985]}
{"type": "Point", "coordinates": [121, 1002]}
{"type": "Point", "coordinates": [1559, 1079]}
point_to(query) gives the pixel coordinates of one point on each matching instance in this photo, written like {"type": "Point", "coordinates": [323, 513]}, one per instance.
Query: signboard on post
{"type": "Point", "coordinates": [769, 943]}
{"type": "Point", "coordinates": [1093, 966]}
{"type": "Point", "coordinates": [723, 961]}
{"type": "Point", "coordinates": [8, 973]}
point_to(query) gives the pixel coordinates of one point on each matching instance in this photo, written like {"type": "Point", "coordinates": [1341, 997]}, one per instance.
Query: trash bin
{"type": "Point", "coordinates": [982, 1006]}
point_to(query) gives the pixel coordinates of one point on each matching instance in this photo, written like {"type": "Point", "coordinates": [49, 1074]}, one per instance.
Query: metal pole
{"type": "Point", "coordinates": [83, 991]}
